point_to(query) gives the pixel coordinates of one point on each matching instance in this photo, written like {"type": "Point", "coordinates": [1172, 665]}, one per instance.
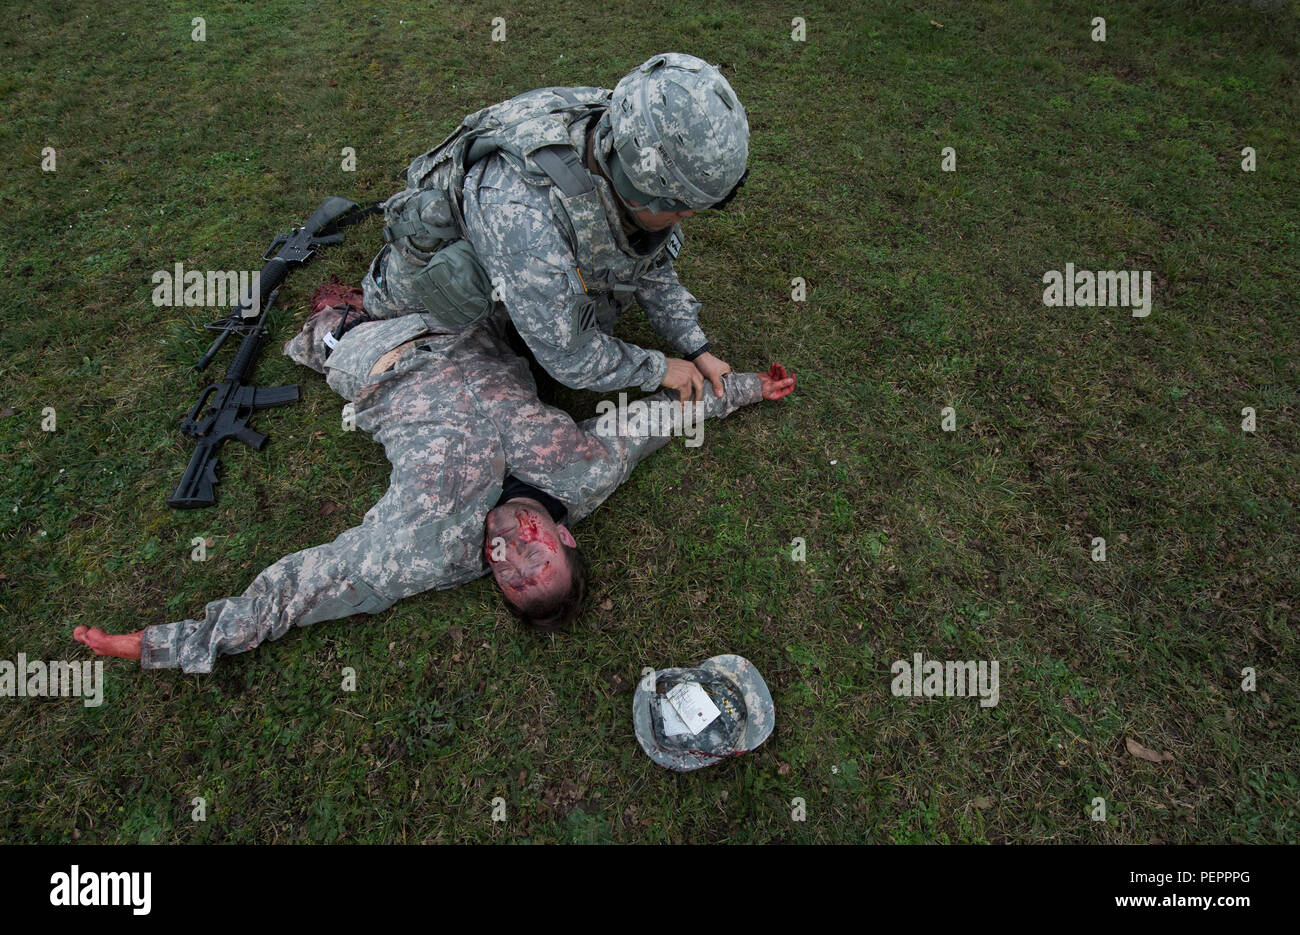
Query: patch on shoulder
{"type": "Point", "coordinates": [674, 245]}
{"type": "Point", "coordinates": [585, 322]}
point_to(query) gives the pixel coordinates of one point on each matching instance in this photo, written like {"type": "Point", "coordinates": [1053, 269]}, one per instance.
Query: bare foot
{"type": "Point", "coordinates": [124, 645]}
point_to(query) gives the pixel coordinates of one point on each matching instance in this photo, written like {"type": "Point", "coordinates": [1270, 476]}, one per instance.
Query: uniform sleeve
{"type": "Point", "coordinates": [671, 309]}
{"type": "Point", "coordinates": [559, 327]}
{"type": "Point", "coordinates": [601, 452]}
{"type": "Point", "coordinates": [526, 258]}
{"type": "Point", "coordinates": [365, 570]}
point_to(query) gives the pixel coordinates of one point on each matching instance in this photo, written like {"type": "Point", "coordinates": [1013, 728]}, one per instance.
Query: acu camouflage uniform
{"type": "Point", "coordinates": [545, 234]}
{"type": "Point", "coordinates": [455, 414]}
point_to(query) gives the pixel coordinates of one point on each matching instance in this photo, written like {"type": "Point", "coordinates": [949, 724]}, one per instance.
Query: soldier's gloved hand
{"type": "Point", "coordinates": [683, 377]}
{"type": "Point", "coordinates": [712, 368]}
{"type": "Point", "coordinates": [776, 383]}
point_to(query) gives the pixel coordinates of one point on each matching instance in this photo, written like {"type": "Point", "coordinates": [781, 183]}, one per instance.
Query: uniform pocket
{"type": "Point", "coordinates": [454, 288]}
{"type": "Point", "coordinates": [349, 366]}
{"type": "Point", "coordinates": [421, 218]}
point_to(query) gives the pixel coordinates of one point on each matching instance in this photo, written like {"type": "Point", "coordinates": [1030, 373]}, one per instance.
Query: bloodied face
{"type": "Point", "coordinates": [522, 546]}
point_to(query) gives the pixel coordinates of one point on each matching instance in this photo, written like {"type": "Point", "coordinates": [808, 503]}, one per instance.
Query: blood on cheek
{"type": "Point", "coordinates": [528, 528]}
{"type": "Point", "coordinates": [530, 531]}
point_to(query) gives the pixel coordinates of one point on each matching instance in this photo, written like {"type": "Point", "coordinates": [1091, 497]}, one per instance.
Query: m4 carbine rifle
{"type": "Point", "coordinates": [232, 401]}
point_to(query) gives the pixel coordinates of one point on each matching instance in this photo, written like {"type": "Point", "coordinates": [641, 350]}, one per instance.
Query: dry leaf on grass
{"type": "Point", "coordinates": [1138, 750]}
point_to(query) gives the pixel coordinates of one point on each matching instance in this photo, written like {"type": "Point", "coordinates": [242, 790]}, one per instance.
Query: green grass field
{"type": "Point", "coordinates": [924, 291]}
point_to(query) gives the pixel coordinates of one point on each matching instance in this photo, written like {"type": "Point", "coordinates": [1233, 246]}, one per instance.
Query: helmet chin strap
{"type": "Point", "coordinates": [602, 136]}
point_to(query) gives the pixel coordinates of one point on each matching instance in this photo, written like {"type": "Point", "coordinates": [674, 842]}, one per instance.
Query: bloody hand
{"type": "Point", "coordinates": [776, 383]}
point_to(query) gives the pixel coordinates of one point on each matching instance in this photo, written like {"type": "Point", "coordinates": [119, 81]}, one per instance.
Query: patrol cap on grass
{"type": "Point", "coordinates": [746, 715]}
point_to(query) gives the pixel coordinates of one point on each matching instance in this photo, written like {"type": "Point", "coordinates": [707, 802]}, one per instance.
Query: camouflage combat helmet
{"type": "Point", "coordinates": [733, 685]}
{"type": "Point", "coordinates": [676, 137]}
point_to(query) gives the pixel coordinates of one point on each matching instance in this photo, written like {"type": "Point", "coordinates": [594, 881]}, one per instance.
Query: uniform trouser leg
{"type": "Point", "coordinates": [308, 347]}
{"type": "Point", "coordinates": [401, 548]}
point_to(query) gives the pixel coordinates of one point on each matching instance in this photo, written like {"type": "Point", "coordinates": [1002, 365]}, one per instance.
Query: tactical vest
{"type": "Point", "coordinates": [426, 221]}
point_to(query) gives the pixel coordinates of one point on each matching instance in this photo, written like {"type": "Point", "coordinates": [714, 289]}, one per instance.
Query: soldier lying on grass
{"type": "Point", "coordinates": [485, 478]}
